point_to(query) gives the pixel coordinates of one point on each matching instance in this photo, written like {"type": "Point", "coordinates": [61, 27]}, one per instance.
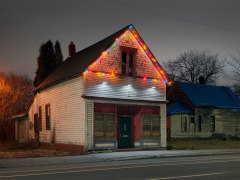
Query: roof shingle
{"type": "Point", "coordinates": [75, 65]}
{"type": "Point", "coordinates": [209, 95]}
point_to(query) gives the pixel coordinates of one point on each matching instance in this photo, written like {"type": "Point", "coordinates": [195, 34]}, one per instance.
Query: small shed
{"type": "Point", "coordinates": [21, 127]}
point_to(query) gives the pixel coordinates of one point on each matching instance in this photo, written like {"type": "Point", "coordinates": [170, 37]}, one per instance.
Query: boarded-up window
{"type": "Point", "coordinates": [212, 124]}
{"type": "Point", "coordinates": [99, 125]}
{"type": "Point", "coordinates": [184, 124]}
{"type": "Point", "coordinates": [104, 127]}
{"type": "Point", "coordinates": [199, 123]}
{"type": "Point", "coordinates": [151, 127]}
{"type": "Point", "coordinates": [48, 117]}
{"type": "Point", "coordinates": [40, 117]}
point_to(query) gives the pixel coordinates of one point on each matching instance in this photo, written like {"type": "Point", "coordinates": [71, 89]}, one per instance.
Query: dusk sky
{"type": "Point", "coordinates": [169, 27]}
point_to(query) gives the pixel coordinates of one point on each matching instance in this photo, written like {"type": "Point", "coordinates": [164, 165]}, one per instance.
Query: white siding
{"type": "Point", "coordinates": [163, 126]}
{"type": "Point", "coordinates": [89, 124]}
{"type": "Point", "coordinates": [117, 87]}
{"type": "Point", "coordinates": [67, 109]}
{"type": "Point", "coordinates": [31, 112]}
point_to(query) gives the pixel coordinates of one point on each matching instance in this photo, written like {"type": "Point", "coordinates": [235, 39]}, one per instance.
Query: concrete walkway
{"type": "Point", "coordinates": [111, 156]}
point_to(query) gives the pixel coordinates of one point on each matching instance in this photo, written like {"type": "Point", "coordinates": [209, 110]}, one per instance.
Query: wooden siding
{"type": "Point", "coordinates": [67, 113]}
{"type": "Point", "coordinates": [32, 110]}
{"type": "Point", "coordinates": [117, 87]}
{"type": "Point", "coordinates": [89, 124]}
{"type": "Point", "coordinates": [227, 124]}
{"type": "Point", "coordinates": [163, 126]}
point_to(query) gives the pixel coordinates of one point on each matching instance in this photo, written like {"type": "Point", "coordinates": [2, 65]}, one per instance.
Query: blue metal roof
{"type": "Point", "coordinates": [209, 95]}
{"type": "Point", "coordinates": [178, 107]}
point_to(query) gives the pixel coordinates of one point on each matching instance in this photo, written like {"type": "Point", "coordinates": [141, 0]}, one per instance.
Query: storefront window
{"type": "Point", "coordinates": [151, 127]}
{"type": "Point", "coordinates": [104, 126]}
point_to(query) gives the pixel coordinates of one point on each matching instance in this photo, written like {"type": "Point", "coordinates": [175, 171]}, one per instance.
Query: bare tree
{"type": "Point", "coordinates": [16, 94]}
{"type": "Point", "coordinates": [189, 66]}
{"type": "Point", "coordinates": [235, 68]}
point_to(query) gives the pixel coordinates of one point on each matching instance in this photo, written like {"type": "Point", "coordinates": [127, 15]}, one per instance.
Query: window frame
{"type": "Point", "coordinates": [128, 51]}
{"type": "Point", "coordinates": [35, 119]}
{"type": "Point", "coordinates": [212, 123]}
{"type": "Point", "coordinates": [48, 116]}
{"type": "Point", "coordinates": [105, 136]}
{"type": "Point", "coordinates": [40, 117]}
{"type": "Point", "coordinates": [199, 123]}
{"type": "Point", "coordinates": [151, 136]}
{"type": "Point", "coordinates": [184, 128]}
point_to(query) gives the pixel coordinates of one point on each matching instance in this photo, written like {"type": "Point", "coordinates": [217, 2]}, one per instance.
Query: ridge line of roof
{"type": "Point", "coordinates": [109, 40]}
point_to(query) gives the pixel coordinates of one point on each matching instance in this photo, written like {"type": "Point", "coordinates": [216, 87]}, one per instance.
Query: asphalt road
{"type": "Point", "coordinates": [225, 167]}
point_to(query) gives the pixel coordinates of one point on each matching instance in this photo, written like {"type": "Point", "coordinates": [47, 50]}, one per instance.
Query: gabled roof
{"type": "Point", "coordinates": [178, 107]}
{"type": "Point", "coordinates": [75, 65]}
{"type": "Point", "coordinates": [209, 95]}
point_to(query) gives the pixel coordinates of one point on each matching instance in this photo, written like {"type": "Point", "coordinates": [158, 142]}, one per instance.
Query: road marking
{"type": "Point", "coordinates": [103, 169]}
{"type": "Point", "coordinates": [189, 176]}
{"type": "Point", "coordinates": [121, 164]}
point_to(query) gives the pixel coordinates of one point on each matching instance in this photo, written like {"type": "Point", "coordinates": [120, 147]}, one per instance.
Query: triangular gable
{"type": "Point", "coordinates": [99, 62]}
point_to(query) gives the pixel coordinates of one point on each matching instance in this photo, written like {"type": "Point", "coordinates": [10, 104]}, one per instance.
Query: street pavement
{"type": "Point", "coordinates": [217, 167]}
{"type": "Point", "coordinates": [109, 156]}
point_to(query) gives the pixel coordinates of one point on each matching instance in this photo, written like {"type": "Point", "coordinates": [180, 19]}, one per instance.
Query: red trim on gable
{"type": "Point", "coordinates": [133, 30]}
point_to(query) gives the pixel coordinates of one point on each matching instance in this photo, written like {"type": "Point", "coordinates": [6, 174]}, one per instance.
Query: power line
{"type": "Point", "coordinates": [175, 17]}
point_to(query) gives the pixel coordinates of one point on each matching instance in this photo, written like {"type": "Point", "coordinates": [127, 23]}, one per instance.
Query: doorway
{"type": "Point", "coordinates": [125, 132]}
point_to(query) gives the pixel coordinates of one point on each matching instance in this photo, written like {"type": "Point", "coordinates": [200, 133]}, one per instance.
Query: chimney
{"type": "Point", "coordinates": [201, 79]}
{"type": "Point", "coordinates": [71, 49]}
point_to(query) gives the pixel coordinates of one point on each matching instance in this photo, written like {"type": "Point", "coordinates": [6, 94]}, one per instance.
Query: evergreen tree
{"type": "Point", "coordinates": [58, 57]}
{"type": "Point", "coordinates": [49, 59]}
{"type": "Point", "coordinates": [41, 70]}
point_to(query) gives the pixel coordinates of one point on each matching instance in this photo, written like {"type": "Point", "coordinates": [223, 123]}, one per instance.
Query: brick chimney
{"type": "Point", "coordinates": [71, 49]}
{"type": "Point", "coordinates": [201, 80]}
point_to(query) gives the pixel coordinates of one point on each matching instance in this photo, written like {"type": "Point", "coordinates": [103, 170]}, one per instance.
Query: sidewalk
{"type": "Point", "coordinates": [111, 156]}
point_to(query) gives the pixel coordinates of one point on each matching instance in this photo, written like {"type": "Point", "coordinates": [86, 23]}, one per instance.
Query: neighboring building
{"type": "Point", "coordinates": [21, 127]}
{"type": "Point", "coordinates": [110, 95]}
{"type": "Point", "coordinates": [202, 111]}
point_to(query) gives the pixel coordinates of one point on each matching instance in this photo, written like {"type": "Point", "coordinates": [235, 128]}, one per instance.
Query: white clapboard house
{"type": "Point", "coordinates": [110, 95]}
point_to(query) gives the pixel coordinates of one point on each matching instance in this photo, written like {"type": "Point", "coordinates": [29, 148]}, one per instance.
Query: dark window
{"type": "Point", "coordinates": [130, 69]}
{"type": "Point", "coordinates": [104, 127]}
{"type": "Point", "coordinates": [40, 117]}
{"type": "Point", "coordinates": [192, 120]}
{"type": "Point", "coordinates": [128, 55]}
{"type": "Point", "coordinates": [36, 124]}
{"type": "Point", "coordinates": [199, 123]}
{"type": "Point", "coordinates": [124, 63]}
{"type": "Point", "coordinates": [48, 117]}
{"type": "Point", "coordinates": [151, 126]}
{"type": "Point", "coordinates": [184, 124]}
{"type": "Point", "coordinates": [212, 124]}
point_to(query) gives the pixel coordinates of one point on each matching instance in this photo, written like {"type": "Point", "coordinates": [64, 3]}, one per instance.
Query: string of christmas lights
{"type": "Point", "coordinates": [145, 49]}
{"type": "Point", "coordinates": [113, 74]}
